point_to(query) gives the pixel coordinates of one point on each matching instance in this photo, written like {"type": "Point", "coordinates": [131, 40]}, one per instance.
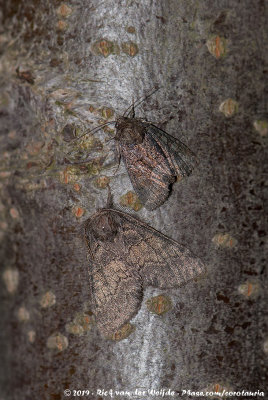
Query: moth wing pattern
{"type": "Point", "coordinates": [116, 291]}
{"type": "Point", "coordinates": [138, 257]}
{"type": "Point", "coordinates": [162, 262]}
{"type": "Point", "coordinates": [149, 171]}
{"type": "Point", "coordinates": [116, 295]}
{"type": "Point", "coordinates": [182, 158]}
{"type": "Point", "coordinates": [154, 165]}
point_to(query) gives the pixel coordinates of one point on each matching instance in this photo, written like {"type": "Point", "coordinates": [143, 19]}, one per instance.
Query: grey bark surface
{"type": "Point", "coordinates": [73, 64]}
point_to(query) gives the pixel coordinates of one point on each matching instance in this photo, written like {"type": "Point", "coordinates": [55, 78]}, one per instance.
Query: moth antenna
{"type": "Point", "coordinates": [109, 140]}
{"type": "Point", "coordinates": [118, 157]}
{"type": "Point", "coordinates": [133, 108]}
{"type": "Point", "coordinates": [139, 101]}
{"type": "Point", "coordinates": [94, 129]}
{"type": "Point", "coordinates": [78, 162]}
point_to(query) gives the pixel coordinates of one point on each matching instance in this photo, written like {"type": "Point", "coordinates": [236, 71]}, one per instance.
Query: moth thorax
{"type": "Point", "coordinates": [129, 130]}
{"type": "Point", "coordinates": [103, 227]}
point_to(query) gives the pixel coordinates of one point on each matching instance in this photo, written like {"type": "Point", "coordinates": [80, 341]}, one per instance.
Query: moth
{"type": "Point", "coordinates": [154, 159]}
{"type": "Point", "coordinates": [126, 256]}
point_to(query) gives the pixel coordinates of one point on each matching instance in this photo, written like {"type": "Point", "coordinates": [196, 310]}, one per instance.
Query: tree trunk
{"type": "Point", "coordinates": [65, 69]}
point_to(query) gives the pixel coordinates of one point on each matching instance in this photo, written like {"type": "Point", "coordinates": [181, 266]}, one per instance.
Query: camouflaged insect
{"type": "Point", "coordinates": [154, 159]}
{"type": "Point", "coordinates": [126, 256]}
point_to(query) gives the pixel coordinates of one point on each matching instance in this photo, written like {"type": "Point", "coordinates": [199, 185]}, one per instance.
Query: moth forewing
{"type": "Point", "coordinates": [181, 157]}
{"type": "Point", "coordinates": [174, 257]}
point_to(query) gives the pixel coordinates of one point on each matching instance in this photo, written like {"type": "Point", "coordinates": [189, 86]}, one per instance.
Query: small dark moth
{"type": "Point", "coordinates": [126, 256]}
{"type": "Point", "coordinates": [154, 159]}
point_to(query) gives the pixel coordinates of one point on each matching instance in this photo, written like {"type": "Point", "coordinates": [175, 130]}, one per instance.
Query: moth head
{"type": "Point", "coordinates": [102, 227]}
{"type": "Point", "coordinates": [129, 130]}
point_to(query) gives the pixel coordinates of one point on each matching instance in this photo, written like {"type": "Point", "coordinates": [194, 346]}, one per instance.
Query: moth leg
{"type": "Point", "coordinates": [132, 109]}
{"type": "Point", "coordinates": [79, 162]}
{"type": "Point", "coordinates": [118, 157]}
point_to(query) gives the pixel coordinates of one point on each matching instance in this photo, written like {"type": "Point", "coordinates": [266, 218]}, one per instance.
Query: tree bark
{"type": "Point", "coordinates": [68, 67]}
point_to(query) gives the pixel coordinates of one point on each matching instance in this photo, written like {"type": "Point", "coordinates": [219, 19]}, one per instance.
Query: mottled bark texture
{"type": "Point", "coordinates": [67, 67]}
